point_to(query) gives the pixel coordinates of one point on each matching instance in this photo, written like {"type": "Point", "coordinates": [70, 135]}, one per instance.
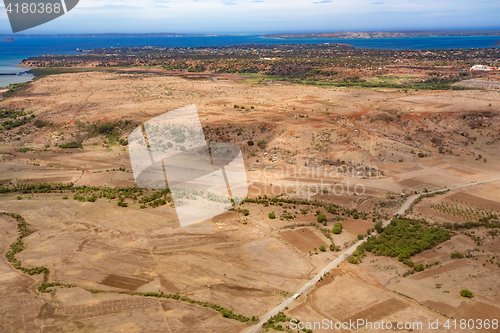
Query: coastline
{"type": "Point", "coordinates": [46, 45]}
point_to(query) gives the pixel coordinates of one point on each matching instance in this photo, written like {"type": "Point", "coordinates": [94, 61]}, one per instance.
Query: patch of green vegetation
{"type": "Point", "coordinates": [258, 78]}
{"type": "Point", "coordinates": [46, 71]}
{"type": "Point", "coordinates": [11, 118]}
{"type": "Point", "coordinates": [112, 131]}
{"type": "Point", "coordinates": [92, 194]}
{"type": "Point", "coordinates": [72, 144]}
{"type": "Point", "coordinates": [24, 150]}
{"type": "Point", "coordinates": [225, 312]}
{"type": "Point", "coordinates": [355, 81]}
{"type": "Point", "coordinates": [466, 293]}
{"type": "Point", "coordinates": [391, 79]}
{"type": "Point", "coordinates": [403, 238]}
{"type": "Point", "coordinates": [274, 322]}
{"type": "Point", "coordinates": [14, 89]}
{"type": "Point", "coordinates": [419, 268]}
{"type": "Point", "coordinates": [337, 228]}
{"type": "Point", "coordinates": [44, 287]}
{"type": "Point", "coordinates": [18, 247]}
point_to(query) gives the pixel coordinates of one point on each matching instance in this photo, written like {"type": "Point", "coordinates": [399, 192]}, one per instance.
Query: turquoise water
{"type": "Point", "coordinates": [12, 53]}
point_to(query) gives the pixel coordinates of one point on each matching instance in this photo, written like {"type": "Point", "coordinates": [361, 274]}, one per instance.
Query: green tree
{"type": "Point", "coordinates": [466, 293]}
{"type": "Point", "coordinates": [322, 218]}
{"type": "Point", "coordinates": [322, 248]}
{"type": "Point", "coordinates": [355, 215]}
{"type": "Point", "coordinates": [419, 268]}
{"type": "Point", "coordinates": [353, 260]}
{"type": "Point", "coordinates": [246, 212]}
{"type": "Point", "coordinates": [337, 228]}
{"type": "Point", "coordinates": [271, 215]}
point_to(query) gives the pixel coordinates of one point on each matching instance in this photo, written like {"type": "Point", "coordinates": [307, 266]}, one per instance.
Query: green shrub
{"type": "Point", "coordinates": [246, 212]}
{"type": "Point", "coordinates": [272, 216]}
{"type": "Point", "coordinates": [408, 263]}
{"type": "Point", "coordinates": [106, 128]}
{"type": "Point", "coordinates": [321, 218]}
{"type": "Point", "coordinates": [322, 248]}
{"type": "Point", "coordinates": [337, 228]}
{"type": "Point", "coordinates": [419, 268]}
{"type": "Point", "coordinates": [72, 144]}
{"type": "Point", "coordinates": [466, 293]}
{"type": "Point", "coordinates": [353, 260]}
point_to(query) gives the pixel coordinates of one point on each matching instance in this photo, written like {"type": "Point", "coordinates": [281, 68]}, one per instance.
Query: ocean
{"type": "Point", "coordinates": [12, 53]}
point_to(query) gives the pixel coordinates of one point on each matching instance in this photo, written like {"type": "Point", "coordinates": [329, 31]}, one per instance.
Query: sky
{"type": "Point", "coordinates": [268, 16]}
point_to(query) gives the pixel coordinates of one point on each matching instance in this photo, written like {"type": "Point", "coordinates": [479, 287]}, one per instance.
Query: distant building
{"type": "Point", "coordinates": [483, 68]}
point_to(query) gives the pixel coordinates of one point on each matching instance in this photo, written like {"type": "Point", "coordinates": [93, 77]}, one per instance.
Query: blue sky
{"type": "Point", "coordinates": [260, 16]}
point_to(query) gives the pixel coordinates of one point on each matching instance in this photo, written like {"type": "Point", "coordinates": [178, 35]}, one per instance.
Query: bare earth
{"type": "Point", "coordinates": [247, 264]}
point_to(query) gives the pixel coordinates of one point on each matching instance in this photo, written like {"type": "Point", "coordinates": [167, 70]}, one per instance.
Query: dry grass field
{"type": "Point", "coordinates": [359, 150]}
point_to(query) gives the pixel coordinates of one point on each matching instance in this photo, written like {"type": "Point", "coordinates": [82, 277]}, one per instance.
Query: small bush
{"type": "Point", "coordinates": [408, 263]}
{"type": "Point", "coordinates": [353, 260]}
{"type": "Point", "coordinates": [419, 268]}
{"type": "Point", "coordinates": [337, 228]}
{"type": "Point", "coordinates": [246, 212]}
{"type": "Point", "coordinates": [250, 143]}
{"type": "Point", "coordinates": [72, 144]}
{"type": "Point", "coordinates": [272, 216]}
{"type": "Point", "coordinates": [466, 293]}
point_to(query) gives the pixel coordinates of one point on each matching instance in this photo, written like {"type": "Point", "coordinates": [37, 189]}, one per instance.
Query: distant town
{"type": "Point", "coordinates": [383, 34]}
